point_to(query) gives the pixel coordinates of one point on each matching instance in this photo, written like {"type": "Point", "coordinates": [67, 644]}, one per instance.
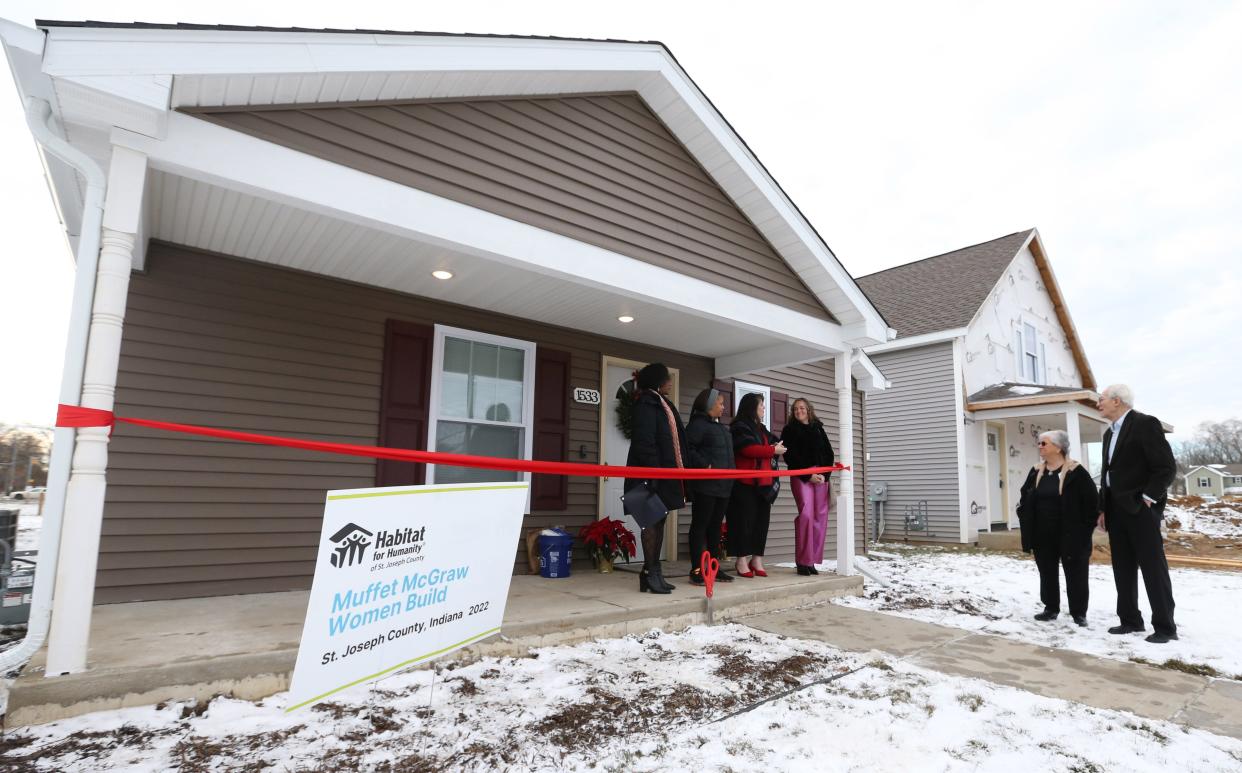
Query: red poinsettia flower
{"type": "Point", "coordinates": [608, 538]}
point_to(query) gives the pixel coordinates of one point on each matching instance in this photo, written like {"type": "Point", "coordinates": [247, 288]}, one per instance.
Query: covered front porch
{"type": "Point", "coordinates": [1003, 429]}
{"type": "Point", "coordinates": [145, 652]}
{"type": "Point", "coordinates": [233, 273]}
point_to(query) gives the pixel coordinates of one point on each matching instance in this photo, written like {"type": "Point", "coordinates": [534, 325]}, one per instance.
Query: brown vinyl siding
{"type": "Point", "coordinates": [601, 169]}
{"type": "Point", "coordinates": [816, 382]}
{"type": "Point", "coordinates": [229, 343]}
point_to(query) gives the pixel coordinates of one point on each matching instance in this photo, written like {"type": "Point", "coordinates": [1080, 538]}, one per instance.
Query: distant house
{"type": "Point", "coordinates": [986, 359]}
{"type": "Point", "coordinates": [1214, 480]}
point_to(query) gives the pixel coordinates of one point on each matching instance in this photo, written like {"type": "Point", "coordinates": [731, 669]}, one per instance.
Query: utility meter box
{"type": "Point", "coordinates": [877, 491]}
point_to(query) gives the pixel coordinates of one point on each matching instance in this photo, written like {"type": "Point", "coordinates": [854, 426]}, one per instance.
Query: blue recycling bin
{"type": "Point", "coordinates": [555, 552]}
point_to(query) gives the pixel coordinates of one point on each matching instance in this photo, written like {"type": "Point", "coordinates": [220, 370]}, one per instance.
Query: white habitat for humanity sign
{"type": "Point", "coordinates": [405, 575]}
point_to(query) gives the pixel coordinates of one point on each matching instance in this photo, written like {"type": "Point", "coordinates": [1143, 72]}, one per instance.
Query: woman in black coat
{"type": "Point", "coordinates": [710, 446]}
{"type": "Point", "coordinates": [1057, 513]}
{"type": "Point", "coordinates": [808, 446]}
{"type": "Point", "coordinates": [657, 439]}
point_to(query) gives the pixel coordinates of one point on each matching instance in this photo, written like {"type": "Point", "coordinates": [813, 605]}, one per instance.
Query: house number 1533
{"type": "Point", "coordinates": [588, 396]}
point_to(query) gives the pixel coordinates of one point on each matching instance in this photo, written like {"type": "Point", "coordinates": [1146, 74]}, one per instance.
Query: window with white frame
{"type": "Point", "coordinates": [1204, 483]}
{"type": "Point", "coordinates": [1030, 354]}
{"type": "Point", "coordinates": [742, 388]}
{"type": "Point", "coordinates": [482, 402]}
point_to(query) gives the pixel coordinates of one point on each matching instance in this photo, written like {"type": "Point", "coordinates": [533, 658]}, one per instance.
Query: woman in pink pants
{"type": "Point", "coordinates": [808, 446]}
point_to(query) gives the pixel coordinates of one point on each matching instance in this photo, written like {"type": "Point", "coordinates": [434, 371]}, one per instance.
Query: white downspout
{"type": "Point", "coordinates": [38, 116]}
{"type": "Point", "coordinates": [845, 455]}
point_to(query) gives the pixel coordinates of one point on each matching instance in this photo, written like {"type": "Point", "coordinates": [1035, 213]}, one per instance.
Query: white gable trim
{"type": "Point", "coordinates": [103, 58]}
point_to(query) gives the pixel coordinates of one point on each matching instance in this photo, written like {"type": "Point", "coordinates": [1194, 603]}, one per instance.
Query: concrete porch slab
{"type": "Point", "coordinates": [192, 649]}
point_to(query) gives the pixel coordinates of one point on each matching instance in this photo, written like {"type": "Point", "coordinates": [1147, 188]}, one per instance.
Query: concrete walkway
{"type": "Point", "coordinates": [1214, 705]}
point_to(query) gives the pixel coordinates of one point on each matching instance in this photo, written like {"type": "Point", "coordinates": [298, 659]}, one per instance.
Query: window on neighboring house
{"type": "Point", "coordinates": [1031, 354]}
{"type": "Point", "coordinates": [482, 402]}
{"type": "Point", "coordinates": [1204, 483]}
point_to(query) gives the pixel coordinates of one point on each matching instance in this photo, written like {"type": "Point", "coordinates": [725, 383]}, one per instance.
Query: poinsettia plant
{"type": "Point", "coordinates": [608, 539]}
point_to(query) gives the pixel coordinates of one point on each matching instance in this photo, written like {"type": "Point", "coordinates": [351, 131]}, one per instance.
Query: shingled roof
{"type": "Point", "coordinates": [942, 292]}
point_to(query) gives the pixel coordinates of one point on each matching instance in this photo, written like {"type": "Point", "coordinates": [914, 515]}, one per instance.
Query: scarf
{"type": "Point", "coordinates": [672, 427]}
{"type": "Point", "coordinates": [1067, 467]}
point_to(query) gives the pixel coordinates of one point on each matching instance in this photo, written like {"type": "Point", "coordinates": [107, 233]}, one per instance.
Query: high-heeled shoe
{"type": "Point", "coordinates": [696, 577]}
{"type": "Point", "coordinates": [645, 584]}
{"type": "Point", "coordinates": [760, 573]}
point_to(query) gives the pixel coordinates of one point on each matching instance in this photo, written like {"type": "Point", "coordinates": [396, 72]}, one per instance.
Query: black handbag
{"type": "Point", "coordinates": [770, 493]}
{"type": "Point", "coordinates": [644, 505]}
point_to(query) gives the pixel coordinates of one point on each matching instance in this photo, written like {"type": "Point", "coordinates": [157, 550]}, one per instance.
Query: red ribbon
{"type": "Point", "coordinates": [76, 416]}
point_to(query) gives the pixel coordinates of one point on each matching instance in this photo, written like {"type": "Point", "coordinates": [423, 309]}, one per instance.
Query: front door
{"type": "Point", "coordinates": [615, 446]}
{"type": "Point", "coordinates": [996, 477]}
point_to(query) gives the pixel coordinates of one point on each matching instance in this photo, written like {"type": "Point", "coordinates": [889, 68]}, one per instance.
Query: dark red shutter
{"type": "Point", "coordinates": [551, 427]}
{"type": "Point", "coordinates": [405, 399]}
{"type": "Point", "coordinates": [778, 411]}
{"type": "Point", "coordinates": [725, 388]}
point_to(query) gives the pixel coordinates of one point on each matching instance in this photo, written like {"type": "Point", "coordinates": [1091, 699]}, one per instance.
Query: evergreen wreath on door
{"type": "Point", "coordinates": [627, 393]}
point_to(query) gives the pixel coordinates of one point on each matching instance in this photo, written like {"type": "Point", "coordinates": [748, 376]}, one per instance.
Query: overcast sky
{"type": "Point", "coordinates": [901, 131]}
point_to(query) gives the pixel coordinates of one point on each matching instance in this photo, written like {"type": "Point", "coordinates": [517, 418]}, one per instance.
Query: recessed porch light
{"type": "Point", "coordinates": [442, 274]}
{"type": "Point", "coordinates": [626, 318]}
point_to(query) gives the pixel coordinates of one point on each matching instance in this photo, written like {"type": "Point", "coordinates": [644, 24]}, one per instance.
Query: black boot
{"type": "Point", "coordinates": [648, 582]}
{"type": "Point", "coordinates": [652, 578]}
{"type": "Point", "coordinates": [657, 572]}
{"type": "Point", "coordinates": [696, 576]}
{"type": "Point", "coordinates": [805, 571]}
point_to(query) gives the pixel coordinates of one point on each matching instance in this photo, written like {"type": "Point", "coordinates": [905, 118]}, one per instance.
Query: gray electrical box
{"type": "Point", "coordinates": [877, 491]}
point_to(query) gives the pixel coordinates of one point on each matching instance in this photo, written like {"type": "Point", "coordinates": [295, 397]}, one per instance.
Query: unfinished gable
{"type": "Point", "coordinates": [601, 169]}
{"type": "Point", "coordinates": [1018, 334]}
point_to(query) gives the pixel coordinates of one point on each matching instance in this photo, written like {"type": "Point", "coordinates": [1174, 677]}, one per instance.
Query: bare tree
{"type": "Point", "coordinates": [1215, 442]}
{"type": "Point", "coordinates": [23, 458]}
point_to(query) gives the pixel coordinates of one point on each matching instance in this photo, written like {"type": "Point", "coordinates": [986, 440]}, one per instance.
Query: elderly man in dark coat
{"type": "Point", "coordinates": [1134, 482]}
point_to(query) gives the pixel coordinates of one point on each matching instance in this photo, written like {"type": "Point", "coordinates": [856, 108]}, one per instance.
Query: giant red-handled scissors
{"type": "Point", "coordinates": [709, 566]}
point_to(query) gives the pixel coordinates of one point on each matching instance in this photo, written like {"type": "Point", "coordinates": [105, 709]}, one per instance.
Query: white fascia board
{"type": "Point", "coordinates": [204, 151]}
{"type": "Point", "coordinates": [23, 47]}
{"type": "Point", "coordinates": [870, 379]}
{"type": "Point", "coordinates": [20, 37]}
{"type": "Point", "coordinates": [919, 340]}
{"type": "Point", "coordinates": [86, 51]}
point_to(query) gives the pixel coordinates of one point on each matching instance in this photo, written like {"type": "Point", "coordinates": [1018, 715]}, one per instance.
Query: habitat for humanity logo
{"type": "Point", "coordinates": [352, 542]}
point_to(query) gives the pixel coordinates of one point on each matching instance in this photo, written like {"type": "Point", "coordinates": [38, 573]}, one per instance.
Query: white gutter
{"type": "Point", "coordinates": [38, 118]}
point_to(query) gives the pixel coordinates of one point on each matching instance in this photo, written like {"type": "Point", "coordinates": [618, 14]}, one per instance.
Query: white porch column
{"type": "Point", "coordinates": [845, 455]}
{"type": "Point", "coordinates": [84, 495]}
{"type": "Point", "coordinates": [1074, 431]}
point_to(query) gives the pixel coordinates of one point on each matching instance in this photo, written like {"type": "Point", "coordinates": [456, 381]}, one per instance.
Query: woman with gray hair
{"type": "Point", "coordinates": [1057, 513]}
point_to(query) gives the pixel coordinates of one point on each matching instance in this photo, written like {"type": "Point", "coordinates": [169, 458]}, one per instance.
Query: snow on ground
{"type": "Point", "coordinates": [29, 522]}
{"type": "Point", "coordinates": [693, 700]}
{"type": "Point", "coordinates": [1221, 519]}
{"type": "Point", "coordinates": [999, 594]}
